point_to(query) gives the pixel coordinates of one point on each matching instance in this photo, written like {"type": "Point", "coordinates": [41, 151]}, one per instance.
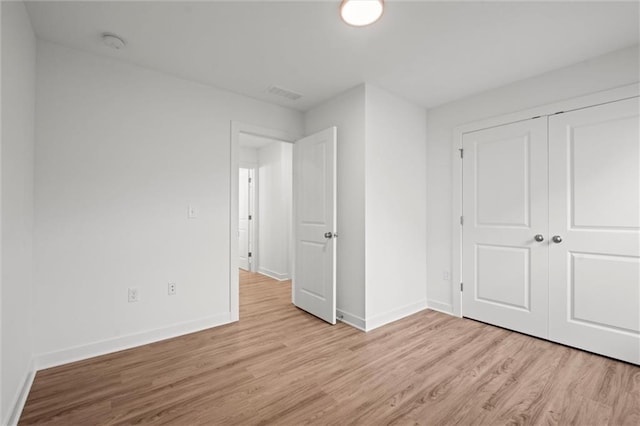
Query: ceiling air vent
{"type": "Point", "coordinates": [284, 93]}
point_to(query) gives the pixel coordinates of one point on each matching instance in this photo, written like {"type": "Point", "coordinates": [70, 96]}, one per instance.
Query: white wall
{"type": "Point", "coordinates": [601, 73]}
{"type": "Point", "coordinates": [247, 155]}
{"type": "Point", "coordinates": [121, 152]}
{"type": "Point", "coordinates": [274, 209]}
{"type": "Point", "coordinates": [347, 113]}
{"type": "Point", "coordinates": [395, 165]}
{"type": "Point", "coordinates": [17, 166]}
{"type": "Point", "coordinates": [381, 246]}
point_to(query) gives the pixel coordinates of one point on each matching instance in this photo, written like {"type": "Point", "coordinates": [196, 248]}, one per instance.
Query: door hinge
{"type": "Point", "coordinates": [249, 180]}
{"type": "Point", "coordinates": [461, 152]}
{"type": "Point", "coordinates": [461, 286]}
{"type": "Point", "coordinates": [249, 254]}
{"type": "Point", "coordinates": [461, 220]}
{"type": "Point", "coordinates": [250, 217]}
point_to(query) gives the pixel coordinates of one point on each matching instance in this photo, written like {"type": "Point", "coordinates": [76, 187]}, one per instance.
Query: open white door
{"type": "Point", "coordinates": [314, 209]}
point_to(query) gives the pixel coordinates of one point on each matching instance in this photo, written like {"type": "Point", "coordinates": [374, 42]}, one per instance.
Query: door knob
{"type": "Point", "coordinates": [557, 239]}
{"type": "Point", "coordinates": [328, 235]}
{"type": "Point", "coordinates": [539, 238]}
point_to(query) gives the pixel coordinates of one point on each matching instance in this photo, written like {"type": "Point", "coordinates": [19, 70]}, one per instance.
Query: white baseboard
{"type": "Point", "coordinates": [350, 319]}
{"type": "Point", "coordinates": [21, 397]}
{"type": "Point", "coordinates": [394, 315]}
{"type": "Point", "coordinates": [275, 275]}
{"type": "Point", "coordinates": [445, 308]}
{"type": "Point", "coordinates": [78, 353]}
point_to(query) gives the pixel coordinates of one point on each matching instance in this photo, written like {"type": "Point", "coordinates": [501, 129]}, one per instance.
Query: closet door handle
{"type": "Point", "coordinates": [557, 239]}
{"type": "Point", "coordinates": [539, 238]}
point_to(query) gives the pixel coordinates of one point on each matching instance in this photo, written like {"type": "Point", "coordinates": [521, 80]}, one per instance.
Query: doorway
{"type": "Point", "coordinates": [307, 240]}
{"type": "Point", "coordinates": [265, 206]}
{"type": "Point", "coordinates": [245, 132]}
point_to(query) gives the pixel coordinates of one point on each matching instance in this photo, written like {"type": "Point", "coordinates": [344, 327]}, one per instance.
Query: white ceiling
{"type": "Point", "coordinates": [429, 52]}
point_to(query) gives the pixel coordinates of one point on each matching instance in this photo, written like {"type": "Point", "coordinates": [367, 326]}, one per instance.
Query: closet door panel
{"type": "Point", "coordinates": [505, 207]}
{"type": "Point", "coordinates": [594, 265]}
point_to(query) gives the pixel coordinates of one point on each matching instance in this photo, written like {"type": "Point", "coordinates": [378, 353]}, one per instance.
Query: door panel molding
{"type": "Point", "coordinates": [588, 100]}
{"type": "Point", "coordinates": [505, 268]}
{"type": "Point", "coordinates": [315, 223]}
{"type": "Point", "coordinates": [594, 204]}
{"type": "Point", "coordinates": [594, 273]}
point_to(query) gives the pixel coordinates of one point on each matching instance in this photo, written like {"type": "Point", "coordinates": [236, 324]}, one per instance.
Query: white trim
{"type": "Point", "coordinates": [275, 275]}
{"type": "Point", "coordinates": [351, 319]}
{"type": "Point", "coordinates": [395, 315]}
{"type": "Point", "coordinates": [78, 353]}
{"type": "Point", "coordinates": [2, 413]}
{"type": "Point", "coordinates": [445, 308]}
{"type": "Point", "coordinates": [456, 228]}
{"type": "Point", "coordinates": [13, 416]}
{"type": "Point", "coordinates": [589, 100]}
{"type": "Point", "coordinates": [234, 161]}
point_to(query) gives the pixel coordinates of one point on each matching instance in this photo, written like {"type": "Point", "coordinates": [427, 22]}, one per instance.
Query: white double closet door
{"type": "Point", "coordinates": [551, 234]}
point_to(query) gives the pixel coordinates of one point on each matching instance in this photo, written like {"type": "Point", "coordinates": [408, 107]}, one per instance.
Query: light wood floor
{"type": "Point", "coordinates": [279, 365]}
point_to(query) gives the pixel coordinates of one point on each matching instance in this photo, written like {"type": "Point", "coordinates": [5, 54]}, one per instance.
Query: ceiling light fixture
{"type": "Point", "coordinates": [113, 41]}
{"type": "Point", "coordinates": [359, 13]}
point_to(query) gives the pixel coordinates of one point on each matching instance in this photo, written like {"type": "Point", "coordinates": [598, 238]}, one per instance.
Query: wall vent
{"type": "Point", "coordinates": [279, 91]}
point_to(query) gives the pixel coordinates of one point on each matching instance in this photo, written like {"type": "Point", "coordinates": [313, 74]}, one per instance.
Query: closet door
{"type": "Point", "coordinates": [594, 166]}
{"type": "Point", "coordinates": [505, 206]}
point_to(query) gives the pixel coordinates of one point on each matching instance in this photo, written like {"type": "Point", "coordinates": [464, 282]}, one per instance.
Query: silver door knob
{"type": "Point", "coordinates": [557, 239]}
{"type": "Point", "coordinates": [539, 238]}
{"type": "Point", "coordinates": [328, 235]}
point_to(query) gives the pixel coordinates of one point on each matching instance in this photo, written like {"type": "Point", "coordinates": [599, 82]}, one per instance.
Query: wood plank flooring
{"type": "Point", "coordinates": [279, 365]}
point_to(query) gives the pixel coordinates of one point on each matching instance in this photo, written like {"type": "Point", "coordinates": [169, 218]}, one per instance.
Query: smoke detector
{"type": "Point", "coordinates": [279, 91]}
{"type": "Point", "coordinates": [113, 41]}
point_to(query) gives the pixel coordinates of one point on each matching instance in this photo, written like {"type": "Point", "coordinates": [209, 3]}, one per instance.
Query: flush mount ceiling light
{"type": "Point", "coordinates": [361, 12]}
{"type": "Point", "coordinates": [113, 41]}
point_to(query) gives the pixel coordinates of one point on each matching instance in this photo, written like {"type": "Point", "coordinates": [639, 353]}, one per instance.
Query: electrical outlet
{"type": "Point", "coordinates": [446, 276]}
{"type": "Point", "coordinates": [171, 289]}
{"type": "Point", "coordinates": [134, 294]}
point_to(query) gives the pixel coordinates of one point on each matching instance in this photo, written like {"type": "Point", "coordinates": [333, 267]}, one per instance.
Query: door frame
{"type": "Point", "coordinates": [234, 161]}
{"type": "Point", "coordinates": [593, 99]}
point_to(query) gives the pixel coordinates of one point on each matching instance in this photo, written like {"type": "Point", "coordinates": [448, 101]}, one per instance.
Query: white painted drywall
{"type": "Point", "coordinates": [395, 207]}
{"type": "Point", "coordinates": [274, 209]}
{"type": "Point", "coordinates": [347, 113]}
{"type": "Point", "coordinates": [381, 246]}
{"type": "Point", "coordinates": [121, 152]}
{"type": "Point", "coordinates": [600, 73]}
{"type": "Point", "coordinates": [247, 155]}
{"type": "Point", "coordinates": [18, 123]}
